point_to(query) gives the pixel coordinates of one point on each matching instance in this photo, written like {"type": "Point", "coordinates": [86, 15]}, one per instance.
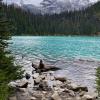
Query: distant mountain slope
{"type": "Point", "coordinates": [56, 6]}
{"type": "Point", "coordinates": [32, 8]}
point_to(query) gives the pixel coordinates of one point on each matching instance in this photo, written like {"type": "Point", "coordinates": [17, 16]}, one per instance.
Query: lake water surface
{"type": "Point", "coordinates": [78, 57]}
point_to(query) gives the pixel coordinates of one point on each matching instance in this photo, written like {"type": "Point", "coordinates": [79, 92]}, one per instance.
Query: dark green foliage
{"type": "Point", "coordinates": [8, 71]}
{"type": "Point", "coordinates": [85, 22]}
{"type": "Point", "coordinates": [98, 80]}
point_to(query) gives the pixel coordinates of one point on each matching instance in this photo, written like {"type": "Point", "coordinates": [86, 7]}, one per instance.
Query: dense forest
{"type": "Point", "coordinates": [84, 22]}
{"type": "Point", "coordinates": [8, 70]}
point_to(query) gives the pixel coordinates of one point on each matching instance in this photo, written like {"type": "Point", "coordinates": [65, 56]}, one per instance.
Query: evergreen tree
{"type": "Point", "coordinates": [8, 71]}
{"type": "Point", "coordinates": [84, 22]}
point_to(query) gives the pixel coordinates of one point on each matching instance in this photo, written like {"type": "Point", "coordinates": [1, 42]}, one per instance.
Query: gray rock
{"type": "Point", "coordinates": [46, 68]}
{"type": "Point", "coordinates": [58, 83]}
{"type": "Point", "coordinates": [43, 85]}
{"type": "Point", "coordinates": [36, 75]}
{"type": "Point", "coordinates": [55, 96]}
{"type": "Point", "coordinates": [12, 98]}
{"type": "Point", "coordinates": [78, 98]}
{"type": "Point", "coordinates": [27, 76]}
{"type": "Point", "coordinates": [70, 92]}
{"type": "Point", "coordinates": [24, 85]}
{"type": "Point", "coordinates": [87, 97]}
{"type": "Point", "coordinates": [37, 81]}
{"type": "Point", "coordinates": [72, 86]}
{"type": "Point", "coordinates": [38, 96]}
{"type": "Point", "coordinates": [32, 98]}
{"type": "Point", "coordinates": [51, 68]}
{"type": "Point", "coordinates": [21, 89]}
{"type": "Point", "coordinates": [42, 77]}
{"type": "Point", "coordinates": [90, 96]}
{"type": "Point", "coordinates": [62, 79]}
{"type": "Point", "coordinates": [12, 84]}
{"type": "Point", "coordinates": [81, 93]}
{"type": "Point", "coordinates": [76, 88]}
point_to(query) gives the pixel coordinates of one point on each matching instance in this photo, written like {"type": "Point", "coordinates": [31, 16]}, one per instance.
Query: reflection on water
{"type": "Point", "coordinates": [77, 56]}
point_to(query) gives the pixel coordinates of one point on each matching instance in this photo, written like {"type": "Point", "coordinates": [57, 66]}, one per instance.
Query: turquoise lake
{"type": "Point", "coordinates": [77, 56]}
{"type": "Point", "coordinates": [57, 47]}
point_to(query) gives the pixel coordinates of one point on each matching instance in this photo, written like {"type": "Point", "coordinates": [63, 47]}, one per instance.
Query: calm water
{"type": "Point", "coordinates": [77, 56]}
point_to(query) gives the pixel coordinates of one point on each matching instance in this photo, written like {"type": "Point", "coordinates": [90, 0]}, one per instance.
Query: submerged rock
{"type": "Point", "coordinates": [51, 68]}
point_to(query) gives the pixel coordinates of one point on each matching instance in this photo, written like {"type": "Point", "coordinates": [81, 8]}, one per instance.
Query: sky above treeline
{"type": "Point", "coordinates": [36, 2]}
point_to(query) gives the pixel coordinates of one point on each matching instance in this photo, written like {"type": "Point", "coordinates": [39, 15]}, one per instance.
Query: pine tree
{"type": "Point", "coordinates": [8, 71]}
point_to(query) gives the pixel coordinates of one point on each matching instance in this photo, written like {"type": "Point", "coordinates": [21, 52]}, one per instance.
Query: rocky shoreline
{"type": "Point", "coordinates": [47, 86]}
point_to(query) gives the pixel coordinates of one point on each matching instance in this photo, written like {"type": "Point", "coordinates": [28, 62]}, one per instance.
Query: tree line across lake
{"type": "Point", "coordinates": [83, 22]}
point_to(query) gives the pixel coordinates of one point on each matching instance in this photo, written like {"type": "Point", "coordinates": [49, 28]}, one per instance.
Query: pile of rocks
{"type": "Point", "coordinates": [47, 86]}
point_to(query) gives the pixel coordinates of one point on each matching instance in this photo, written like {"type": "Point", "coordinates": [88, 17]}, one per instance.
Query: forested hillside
{"type": "Point", "coordinates": [85, 22]}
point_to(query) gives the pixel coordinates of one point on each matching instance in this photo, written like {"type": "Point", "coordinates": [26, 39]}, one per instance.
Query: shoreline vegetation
{"type": "Point", "coordinates": [42, 84]}
{"type": "Point", "coordinates": [98, 80]}
{"type": "Point", "coordinates": [8, 71]}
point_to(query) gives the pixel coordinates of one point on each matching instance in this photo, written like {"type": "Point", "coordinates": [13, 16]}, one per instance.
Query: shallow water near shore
{"type": "Point", "coordinates": [78, 57]}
